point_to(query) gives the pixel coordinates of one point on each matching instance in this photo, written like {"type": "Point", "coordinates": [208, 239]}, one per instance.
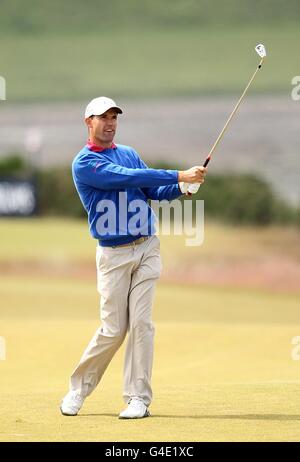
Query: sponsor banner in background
{"type": "Point", "coordinates": [17, 197]}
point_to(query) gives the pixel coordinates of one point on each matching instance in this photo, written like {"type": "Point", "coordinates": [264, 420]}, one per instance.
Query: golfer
{"type": "Point", "coordinates": [113, 183]}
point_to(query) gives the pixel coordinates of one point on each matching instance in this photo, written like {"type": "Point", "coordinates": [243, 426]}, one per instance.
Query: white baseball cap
{"type": "Point", "coordinates": [100, 105]}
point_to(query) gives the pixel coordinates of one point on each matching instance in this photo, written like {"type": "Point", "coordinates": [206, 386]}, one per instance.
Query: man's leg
{"type": "Point", "coordinates": [114, 268]}
{"type": "Point", "coordinates": [139, 351]}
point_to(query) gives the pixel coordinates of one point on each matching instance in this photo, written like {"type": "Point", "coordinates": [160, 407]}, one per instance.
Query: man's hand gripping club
{"type": "Point", "coordinates": [191, 179]}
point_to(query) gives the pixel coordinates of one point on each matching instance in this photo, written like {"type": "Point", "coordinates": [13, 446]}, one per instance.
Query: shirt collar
{"type": "Point", "coordinates": [96, 148]}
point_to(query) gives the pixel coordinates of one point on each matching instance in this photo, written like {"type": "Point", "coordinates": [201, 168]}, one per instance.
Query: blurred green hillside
{"type": "Point", "coordinates": [69, 16]}
{"type": "Point", "coordinates": [71, 50]}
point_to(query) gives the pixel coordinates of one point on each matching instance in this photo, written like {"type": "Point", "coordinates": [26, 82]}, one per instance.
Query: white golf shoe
{"type": "Point", "coordinates": [72, 403]}
{"type": "Point", "coordinates": [136, 409]}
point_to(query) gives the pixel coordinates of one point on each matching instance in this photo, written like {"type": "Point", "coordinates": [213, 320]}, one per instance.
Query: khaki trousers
{"type": "Point", "coordinates": [126, 281]}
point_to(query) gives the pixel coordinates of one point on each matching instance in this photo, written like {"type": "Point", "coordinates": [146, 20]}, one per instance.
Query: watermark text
{"type": "Point", "coordinates": [2, 349]}
{"type": "Point", "coordinates": [296, 350]}
{"type": "Point", "coordinates": [125, 217]}
{"type": "Point", "coordinates": [296, 90]}
{"type": "Point", "coordinates": [2, 88]}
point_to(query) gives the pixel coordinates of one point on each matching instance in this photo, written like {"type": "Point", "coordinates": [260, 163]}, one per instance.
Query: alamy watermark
{"type": "Point", "coordinates": [295, 354]}
{"type": "Point", "coordinates": [296, 90]}
{"type": "Point", "coordinates": [137, 217]}
{"type": "Point", "coordinates": [2, 349]}
{"type": "Point", "coordinates": [187, 221]}
{"type": "Point", "coordinates": [2, 88]}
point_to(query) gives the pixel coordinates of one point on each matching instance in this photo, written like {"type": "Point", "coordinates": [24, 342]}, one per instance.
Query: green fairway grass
{"type": "Point", "coordinates": [148, 63]}
{"type": "Point", "coordinates": [223, 365]}
{"type": "Point", "coordinates": [71, 298]}
{"type": "Point", "coordinates": [223, 369]}
{"type": "Point", "coordinates": [57, 240]}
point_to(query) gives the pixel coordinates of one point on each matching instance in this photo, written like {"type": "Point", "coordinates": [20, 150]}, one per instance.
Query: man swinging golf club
{"type": "Point", "coordinates": [111, 180]}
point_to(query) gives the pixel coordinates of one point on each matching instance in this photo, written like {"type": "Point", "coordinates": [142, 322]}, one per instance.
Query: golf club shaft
{"type": "Point", "coordinates": [231, 115]}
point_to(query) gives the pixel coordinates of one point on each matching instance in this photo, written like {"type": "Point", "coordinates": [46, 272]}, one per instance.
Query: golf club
{"type": "Point", "coordinates": [261, 51]}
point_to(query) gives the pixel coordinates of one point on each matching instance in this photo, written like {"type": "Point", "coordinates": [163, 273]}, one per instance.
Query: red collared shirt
{"type": "Point", "coordinates": [96, 148]}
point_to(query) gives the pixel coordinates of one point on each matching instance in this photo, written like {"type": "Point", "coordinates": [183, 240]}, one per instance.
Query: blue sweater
{"type": "Point", "coordinates": [108, 181]}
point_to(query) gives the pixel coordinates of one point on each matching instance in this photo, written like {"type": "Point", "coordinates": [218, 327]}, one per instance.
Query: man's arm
{"type": "Point", "coordinates": [174, 191]}
{"type": "Point", "coordinates": [108, 176]}
{"type": "Point", "coordinates": [168, 193]}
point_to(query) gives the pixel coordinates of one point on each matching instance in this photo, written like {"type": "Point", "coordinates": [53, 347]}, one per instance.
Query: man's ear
{"type": "Point", "coordinates": [88, 122]}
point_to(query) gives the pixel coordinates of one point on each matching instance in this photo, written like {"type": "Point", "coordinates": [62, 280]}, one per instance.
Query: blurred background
{"type": "Point", "coordinates": [177, 67]}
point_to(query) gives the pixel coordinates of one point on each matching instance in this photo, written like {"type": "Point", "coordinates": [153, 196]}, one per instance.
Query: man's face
{"type": "Point", "coordinates": [102, 128]}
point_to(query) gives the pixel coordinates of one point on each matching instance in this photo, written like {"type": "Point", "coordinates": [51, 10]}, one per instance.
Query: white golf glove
{"type": "Point", "coordinates": [193, 188]}
{"type": "Point", "coordinates": [183, 187]}
{"type": "Point", "coordinates": [188, 188]}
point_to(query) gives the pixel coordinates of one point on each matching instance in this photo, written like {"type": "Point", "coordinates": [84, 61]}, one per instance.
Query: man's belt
{"type": "Point", "coordinates": [133, 243]}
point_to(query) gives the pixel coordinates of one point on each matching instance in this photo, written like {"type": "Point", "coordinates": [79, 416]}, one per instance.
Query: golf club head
{"type": "Point", "coordinates": [260, 50]}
